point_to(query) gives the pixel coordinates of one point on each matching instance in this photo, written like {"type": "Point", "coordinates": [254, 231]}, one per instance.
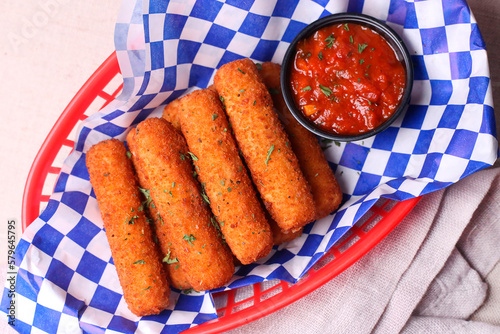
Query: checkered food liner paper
{"type": "Point", "coordinates": [66, 279]}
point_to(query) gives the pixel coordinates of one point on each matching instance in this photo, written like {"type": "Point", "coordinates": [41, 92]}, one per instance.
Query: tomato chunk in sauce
{"type": "Point", "coordinates": [347, 79]}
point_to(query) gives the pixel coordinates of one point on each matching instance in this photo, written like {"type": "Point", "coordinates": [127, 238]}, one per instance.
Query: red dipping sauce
{"type": "Point", "coordinates": [347, 79]}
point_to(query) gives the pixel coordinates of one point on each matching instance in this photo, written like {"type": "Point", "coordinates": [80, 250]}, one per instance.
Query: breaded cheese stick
{"type": "Point", "coordinates": [264, 144]}
{"type": "Point", "coordinates": [280, 237]}
{"type": "Point", "coordinates": [135, 255]}
{"type": "Point", "coordinates": [224, 179]}
{"type": "Point", "coordinates": [171, 115]}
{"type": "Point", "coordinates": [161, 154]}
{"type": "Point", "coordinates": [176, 274]}
{"type": "Point", "coordinates": [325, 189]}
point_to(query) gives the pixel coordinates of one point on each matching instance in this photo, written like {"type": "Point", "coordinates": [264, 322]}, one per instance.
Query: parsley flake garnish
{"type": "Point", "coordinates": [160, 219]}
{"type": "Point", "coordinates": [189, 238]}
{"type": "Point", "coordinates": [139, 262]}
{"type": "Point", "coordinates": [148, 200]}
{"type": "Point", "coordinates": [346, 27]}
{"type": "Point", "coordinates": [241, 70]}
{"type": "Point", "coordinates": [214, 116]}
{"type": "Point", "coordinates": [351, 40]}
{"type": "Point", "coordinates": [307, 88]}
{"type": "Point", "coordinates": [361, 47]}
{"type": "Point", "coordinates": [271, 149]}
{"type": "Point", "coordinates": [327, 91]}
{"type": "Point", "coordinates": [221, 98]}
{"type": "Point", "coordinates": [205, 198]}
{"type": "Point", "coordinates": [320, 55]}
{"type": "Point", "coordinates": [194, 157]}
{"type": "Point", "coordinates": [329, 40]}
{"type": "Point", "coordinates": [168, 260]}
{"type": "Point", "coordinates": [131, 221]}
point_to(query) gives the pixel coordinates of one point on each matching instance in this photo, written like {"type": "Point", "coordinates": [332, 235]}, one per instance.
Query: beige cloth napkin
{"type": "Point", "coordinates": [427, 276]}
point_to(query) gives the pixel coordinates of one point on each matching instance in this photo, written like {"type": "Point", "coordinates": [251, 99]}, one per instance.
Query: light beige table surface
{"type": "Point", "coordinates": [48, 50]}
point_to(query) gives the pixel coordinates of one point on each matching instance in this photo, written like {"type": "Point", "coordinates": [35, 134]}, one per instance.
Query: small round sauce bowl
{"type": "Point", "coordinates": [347, 77]}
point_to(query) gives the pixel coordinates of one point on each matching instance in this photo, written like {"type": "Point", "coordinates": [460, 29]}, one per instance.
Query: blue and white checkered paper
{"type": "Point", "coordinates": [67, 281]}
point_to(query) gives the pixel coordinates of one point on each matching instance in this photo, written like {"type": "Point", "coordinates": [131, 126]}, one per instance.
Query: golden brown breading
{"type": "Point", "coordinates": [325, 189]}
{"type": "Point", "coordinates": [135, 255]}
{"type": "Point", "coordinates": [161, 154]}
{"type": "Point", "coordinates": [224, 178]}
{"type": "Point", "coordinates": [280, 237]}
{"type": "Point", "coordinates": [170, 114]}
{"type": "Point", "coordinates": [264, 144]}
{"type": "Point", "coordinates": [176, 274]}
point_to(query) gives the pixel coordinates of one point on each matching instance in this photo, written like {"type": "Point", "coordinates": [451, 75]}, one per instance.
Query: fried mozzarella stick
{"type": "Point", "coordinates": [264, 144]}
{"type": "Point", "coordinates": [161, 155]}
{"type": "Point", "coordinates": [280, 237]}
{"type": "Point", "coordinates": [224, 179]}
{"type": "Point", "coordinates": [170, 113]}
{"type": "Point", "coordinates": [176, 274]}
{"type": "Point", "coordinates": [135, 255]}
{"type": "Point", "coordinates": [325, 189]}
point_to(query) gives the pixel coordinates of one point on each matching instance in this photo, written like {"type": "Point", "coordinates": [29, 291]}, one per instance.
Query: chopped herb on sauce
{"type": "Point", "coordinates": [361, 47]}
{"type": "Point", "coordinates": [327, 91]}
{"type": "Point", "coordinates": [329, 40]}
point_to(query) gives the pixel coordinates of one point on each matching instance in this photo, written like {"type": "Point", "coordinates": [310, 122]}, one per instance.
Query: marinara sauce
{"type": "Point", "coordinates": [346, 79]}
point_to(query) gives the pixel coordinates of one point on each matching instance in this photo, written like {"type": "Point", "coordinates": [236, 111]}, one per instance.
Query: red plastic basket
{"type": "Point", "coordinates": [234, 307]}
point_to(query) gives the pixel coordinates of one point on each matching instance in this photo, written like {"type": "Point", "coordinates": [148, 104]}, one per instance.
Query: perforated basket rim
{"type": "Point", "coordinates": [57, 137]}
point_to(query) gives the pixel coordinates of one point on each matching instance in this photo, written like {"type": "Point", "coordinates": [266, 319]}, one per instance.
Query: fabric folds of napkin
{"type": "Point", "coordinates": [427, 276]}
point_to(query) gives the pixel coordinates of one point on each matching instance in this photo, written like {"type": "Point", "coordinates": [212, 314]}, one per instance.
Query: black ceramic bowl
{"type": "Point", "coordinates": [382, 29]}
